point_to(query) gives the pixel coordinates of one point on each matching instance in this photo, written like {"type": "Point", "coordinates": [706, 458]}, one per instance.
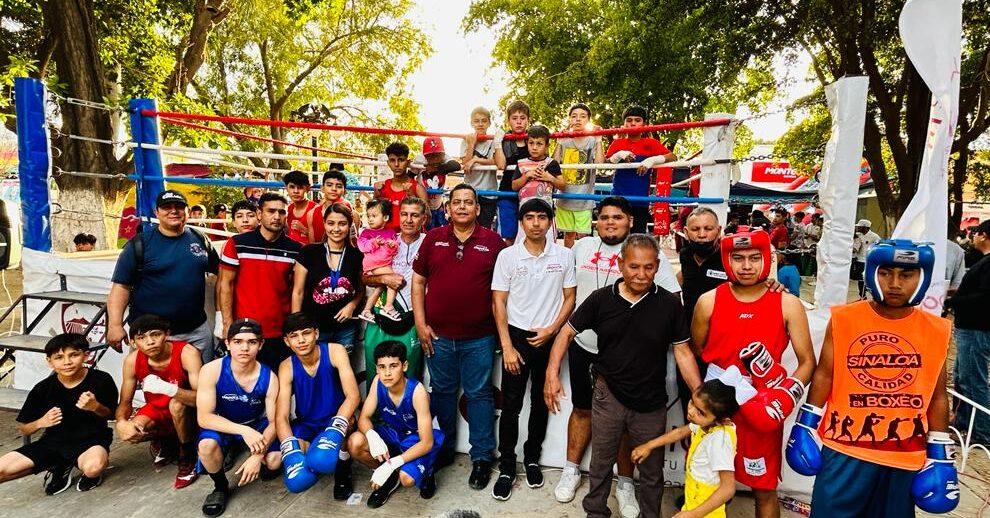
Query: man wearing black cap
{"type": "Point", "coordinates": [162, 271]}
{"type": "Point", "coordinates": [635, 147]}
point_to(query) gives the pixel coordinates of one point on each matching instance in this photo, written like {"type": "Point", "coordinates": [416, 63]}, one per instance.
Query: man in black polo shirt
{"type": "Point", "coordinates": [636, 322]}
{"type": "Point", "coordinates": [701, 263]}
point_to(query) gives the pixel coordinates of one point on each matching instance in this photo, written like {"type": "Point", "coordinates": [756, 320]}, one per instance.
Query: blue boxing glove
{"type": "Point", "coordinates": [324, 451]}
{"type": "Point", "coordinates": [804, 455]}
{"type": "Point", "coordinates": [935, 488]}
{"type": "Point", "coordinates": [298, 477]}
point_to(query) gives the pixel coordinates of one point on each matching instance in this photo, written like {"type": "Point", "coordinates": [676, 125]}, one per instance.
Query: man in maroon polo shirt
{"type": "Point", "coordinates": [452, 304]}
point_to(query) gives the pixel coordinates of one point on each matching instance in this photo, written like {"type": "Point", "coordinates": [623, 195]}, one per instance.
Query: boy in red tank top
{"type": "Point", "coordinates": [299, 220]}
{"type": "Point", "coordinates": [882, 371]}
{"type": "Point", "coordinates": [167, 372]}
{"type": "Point", "coordinates": [403, 183]}
{"type": "Point", "coordinates": [743, 323]}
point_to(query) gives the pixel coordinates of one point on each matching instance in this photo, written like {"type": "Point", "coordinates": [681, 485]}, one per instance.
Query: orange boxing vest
{"type": "Point", "coordinates": [884, 374]}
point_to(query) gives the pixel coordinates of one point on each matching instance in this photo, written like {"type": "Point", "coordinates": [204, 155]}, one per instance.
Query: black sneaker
{"type": "Point", "coordinates": [429, 487]}
{"type": "Point", "coordinates": [503, 486]}
{"type": "Point", "coordinates": [85, 483]}
{"type": "Point", "coordinates": [343, 484]}
{"type": "Point", "coordinates": [58, 479]}
{"type": "Point", "coordinates": [380, 496]}
{"type": "Point", "coordinates": [534, 476]}
{"type": "Point", "coordinates": [481, 473]}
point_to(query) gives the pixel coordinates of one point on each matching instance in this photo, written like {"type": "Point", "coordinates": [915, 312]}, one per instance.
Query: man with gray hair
{"type": "Point", "coordinates": [636, 322]}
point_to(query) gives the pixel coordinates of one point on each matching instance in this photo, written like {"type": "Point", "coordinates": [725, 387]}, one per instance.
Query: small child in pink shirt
{"type": "Point", "coordinates": [379, 245]}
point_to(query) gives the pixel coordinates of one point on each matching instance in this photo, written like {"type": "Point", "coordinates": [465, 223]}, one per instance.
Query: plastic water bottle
{"type": "Point", "coordinates": [796, 506]}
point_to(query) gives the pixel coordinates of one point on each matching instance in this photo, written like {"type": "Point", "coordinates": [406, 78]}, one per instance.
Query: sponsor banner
{"type": "Point", "coordinates": [773, 172]}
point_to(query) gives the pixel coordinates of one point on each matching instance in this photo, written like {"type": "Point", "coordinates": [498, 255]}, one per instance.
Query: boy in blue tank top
{"type": "Point", "coordinates": [326, 392]}
{"type": "Point", "coordinates": [235, 401]}
{"type": "Point", "coordinates": [404, 446]}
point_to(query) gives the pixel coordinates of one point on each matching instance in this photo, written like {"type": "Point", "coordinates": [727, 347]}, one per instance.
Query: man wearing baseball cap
{"type": "Point", "coordinates": [436, 166]}
{"type": "Point", "coordinates": [863, 239]}
{"type": "Point", "coordinates": [162, 271]}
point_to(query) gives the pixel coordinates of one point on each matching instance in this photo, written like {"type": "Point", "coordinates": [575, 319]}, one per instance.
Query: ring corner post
{"type": "Point", "coordinates": [147, 161]}
{"type": "Point", "coordinates": [718, 144]}
{"type": "Point", "coordinates": [34, 162]}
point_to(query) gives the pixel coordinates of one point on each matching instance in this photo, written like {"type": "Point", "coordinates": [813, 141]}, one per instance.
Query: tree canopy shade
{"type": "Point", "coordinates": [256, 58]}
{"type": "Point", "coordinates": [682, 58]}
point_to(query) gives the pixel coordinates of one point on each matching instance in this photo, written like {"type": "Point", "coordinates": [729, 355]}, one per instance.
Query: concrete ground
{"type": "Point", "coordinates": [133, 488]}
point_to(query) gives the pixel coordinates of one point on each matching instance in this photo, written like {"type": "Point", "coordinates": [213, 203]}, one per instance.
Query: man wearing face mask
{"type": "Point", "coordinates": [701, 264]}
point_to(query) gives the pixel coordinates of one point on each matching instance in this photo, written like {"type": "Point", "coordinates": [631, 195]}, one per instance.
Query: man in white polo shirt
{"type": "Point", "coordinates": [533, 292]}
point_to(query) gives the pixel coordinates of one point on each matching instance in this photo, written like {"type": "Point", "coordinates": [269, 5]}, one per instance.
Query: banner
{"type": "Point", "coordinates": [773, 172]}
{"type": "Point", "coordinates": [932, 35]}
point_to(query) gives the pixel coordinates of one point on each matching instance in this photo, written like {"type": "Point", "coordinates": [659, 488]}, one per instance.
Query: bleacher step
{"type": "Point", "coordinates": [12, 399]}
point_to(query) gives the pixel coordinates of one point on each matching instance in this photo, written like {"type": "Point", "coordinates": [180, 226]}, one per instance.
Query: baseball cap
{"type": "Point", "coordinates": [219, 207]}
{"type": "Point", "coordinates": [432, 145]}
{"type": "Point", "coordinates": [983, 227]}
{"type": "Point", "coordinates": [244, 325]}
{"type": "Point", "coordinates": [864, 223]}
{"type": "Point", "coordinates": [169, 196]}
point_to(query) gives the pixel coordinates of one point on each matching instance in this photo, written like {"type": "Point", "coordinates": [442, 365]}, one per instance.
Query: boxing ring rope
{"type": "Point", "coordinates": [419, 133]}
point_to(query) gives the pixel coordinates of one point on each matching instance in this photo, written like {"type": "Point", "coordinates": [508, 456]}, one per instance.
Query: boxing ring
{"type": "Point", "coordinates": [44, 270]}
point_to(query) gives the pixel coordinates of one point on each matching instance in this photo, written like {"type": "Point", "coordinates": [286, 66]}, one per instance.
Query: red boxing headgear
{"type": "Point", "coordinates": [746, 239]}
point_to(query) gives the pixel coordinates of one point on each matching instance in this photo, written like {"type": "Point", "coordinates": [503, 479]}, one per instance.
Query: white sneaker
{"type": "Point", "coordinates": [628, 506]}
{"type": "Point", "coordinates": [569, 482]}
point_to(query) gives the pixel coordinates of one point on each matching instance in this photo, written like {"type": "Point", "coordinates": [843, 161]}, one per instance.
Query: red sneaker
{"type": "Point", "coordinates": [161, 454]}
{"type": "Point", "coordinates": [186, 474]}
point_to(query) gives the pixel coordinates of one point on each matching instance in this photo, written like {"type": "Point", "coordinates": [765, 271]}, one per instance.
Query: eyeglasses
{"type": "Point", "coordinates": [460, 252]}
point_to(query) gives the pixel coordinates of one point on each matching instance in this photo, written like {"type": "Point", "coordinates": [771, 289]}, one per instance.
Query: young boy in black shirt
{"type": "Point", "coordinates": [72, 406]}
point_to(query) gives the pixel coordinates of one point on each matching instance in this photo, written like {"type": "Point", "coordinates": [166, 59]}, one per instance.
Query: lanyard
{"type": "Point", "coordinates": [335, 273]}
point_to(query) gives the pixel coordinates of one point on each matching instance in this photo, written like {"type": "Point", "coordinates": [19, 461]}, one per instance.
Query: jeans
{"type": "Point", "coordinates": [469, 363]}
{"type": "Point", "coordinates": [970, 372]}
{"type": "Point", "coordinates": [342, 334]}
{"type": "Point", "coordinates": [514, 393]}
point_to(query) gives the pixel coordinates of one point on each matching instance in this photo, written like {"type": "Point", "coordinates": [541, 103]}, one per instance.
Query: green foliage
{"type": "Point", "coordinates": [612, 53]}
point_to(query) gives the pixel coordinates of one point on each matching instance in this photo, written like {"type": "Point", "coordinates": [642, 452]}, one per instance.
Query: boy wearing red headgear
{"type": "Point", "coordinates": [742, 323]}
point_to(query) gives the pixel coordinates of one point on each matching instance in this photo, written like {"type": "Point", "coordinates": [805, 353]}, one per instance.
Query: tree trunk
{"type": "Point", "coordinates": [873, 151]}
{"type": "Point", "coordinates": [191, 54]}
{"type": "Point", "coordinates": [917, 113]}
{"type": "Point", "coordinates": [959, 167]}
{"type": "Point", "coordinates": [77, 61]}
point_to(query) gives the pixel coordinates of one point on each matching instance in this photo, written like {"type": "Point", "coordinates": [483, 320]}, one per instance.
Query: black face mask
{"type": "Point", "coordinates": [702, 248]}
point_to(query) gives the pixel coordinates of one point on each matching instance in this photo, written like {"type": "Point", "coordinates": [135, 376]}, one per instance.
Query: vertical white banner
{"type": "Point", "coordinates": [839, 179]}
{"type": "Point", "coordinates": [932, 35]}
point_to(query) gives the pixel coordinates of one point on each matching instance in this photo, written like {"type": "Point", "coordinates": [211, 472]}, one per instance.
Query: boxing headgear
{"type": "Point", "coordinates": [745, 238]}
{"type": "Point", "coordinates": [900, 253]}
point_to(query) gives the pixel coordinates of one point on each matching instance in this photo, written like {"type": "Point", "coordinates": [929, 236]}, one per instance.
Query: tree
{"type": "Point", "coordinates": [610, 54]}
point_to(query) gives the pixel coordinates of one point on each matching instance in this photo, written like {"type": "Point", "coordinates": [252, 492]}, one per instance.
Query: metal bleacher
{"type": "Point", "coordinates": [35, 343]}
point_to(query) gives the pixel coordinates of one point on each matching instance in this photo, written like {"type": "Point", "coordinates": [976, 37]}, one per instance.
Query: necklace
{"type": "Point", "coordinates": [334, 272]}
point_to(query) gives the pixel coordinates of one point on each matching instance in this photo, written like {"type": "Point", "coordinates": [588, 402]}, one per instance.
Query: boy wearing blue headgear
{"type": "Point", "coordinates": [882, 374]}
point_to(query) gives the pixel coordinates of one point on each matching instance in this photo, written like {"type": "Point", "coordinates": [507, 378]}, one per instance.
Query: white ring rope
{"type": "Point", "coordinates": [260, 154]}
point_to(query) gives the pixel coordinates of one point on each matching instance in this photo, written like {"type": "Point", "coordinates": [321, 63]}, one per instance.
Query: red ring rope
{"type": "Point", "coordinates": [417, 133]}
{"type": "Point", "coordinates": [262, 139]}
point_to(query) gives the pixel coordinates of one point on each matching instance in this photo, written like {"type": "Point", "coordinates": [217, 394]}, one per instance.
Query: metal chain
{"type": "Point", "coordinates": [57, 171]}
{"type": "Point", "coordinates": [59, 133]}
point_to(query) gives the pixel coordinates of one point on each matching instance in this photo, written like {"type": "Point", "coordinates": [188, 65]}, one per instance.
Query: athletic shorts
{"type": "Point", "coordinates": [848, 486]}
{"type": "Point", "coordinates": [758, 455]}
{"type": "Point", "coordinates": [579, 365]}
{"type": "Point", "coordinates": [416, 468]}
{"type": "Point", "coordinates": [573, 220]}
{"type": "Point", "coordinates": [226, 439]}
{"type": "Point", "coordinates": [48, 454]}
{"type": "Point", "coordinates": [307, 431]}
{"type": "Point", "coordinates": [488, 209]}
{"type": "Point", "coordinates": [162, 417]}
{"type": "Point", "coordinates": [508, 220]}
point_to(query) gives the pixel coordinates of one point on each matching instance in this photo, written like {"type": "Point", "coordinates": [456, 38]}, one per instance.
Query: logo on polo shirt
{"type": "Point", "coordinates": [481, 248]}
{"type": "Point", "coordinates": [555, 268]}
{"type": "Point", "coordinates": [197, 250]}
{"type": "Point", "coordinates": [441, 243]}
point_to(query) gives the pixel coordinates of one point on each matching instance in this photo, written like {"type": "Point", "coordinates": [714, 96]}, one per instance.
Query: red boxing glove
{"type": "Point", "coordinates": [768, 410]}
{"type": "Point", "coordinates": [761, 366]}
{"type": "Point", "coordinates": [793, 387]}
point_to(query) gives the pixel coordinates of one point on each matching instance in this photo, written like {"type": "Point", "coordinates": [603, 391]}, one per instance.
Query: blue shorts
{"type": "Point", "coordinates": [508, 217]}
{"type": "Point", "coordinates": [850, 488]}
{"type": "Point", "coordinates": [343, 335]}
{"type": "Point", "coordinates": [226, 439]}
{"type": "Point", "coordinates": [416, 468]}
{"type": "Point", "coordinates": [307, 431]}
{"type": "Point", "coordinates": [438, 218]}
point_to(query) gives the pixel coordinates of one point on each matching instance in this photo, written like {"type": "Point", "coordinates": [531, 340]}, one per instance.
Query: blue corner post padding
{"type": "Point", "coordinates": [34, 162]}
{"type": "Point", "coordinates": [147, 162]}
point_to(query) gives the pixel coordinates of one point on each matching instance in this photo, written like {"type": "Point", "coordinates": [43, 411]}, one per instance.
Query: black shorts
{"type": "Point", "coordinates": [856, 270]}
{"type": "Point", "coordinates": [46, 454]}
{"type": "Point", "coordinates": [487, 216]}
{"type": "Point", "coordinates": [579, 363]}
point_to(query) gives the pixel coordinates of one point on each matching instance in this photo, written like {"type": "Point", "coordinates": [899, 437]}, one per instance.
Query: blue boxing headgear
{"type": "Point", "coordinates": [900, 253]}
